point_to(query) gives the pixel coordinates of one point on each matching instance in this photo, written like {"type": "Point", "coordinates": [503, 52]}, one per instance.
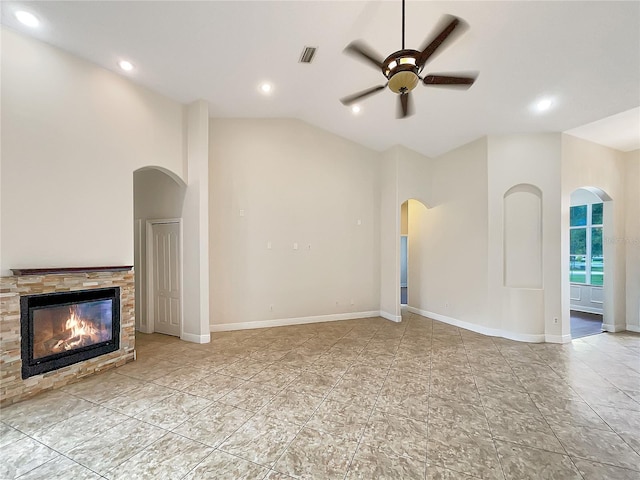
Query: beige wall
{"type": "Point", "coordinates": [72, 135]}
{"type": "Point", "coordinates": [448, 250]}
{"type": "Point", "coordinates": [632, 239]}
{"type": "Point", "coordinates": [586, 164]}
{"type": "Point", "coordinates": [525, 163]}
{"type": "Point", "coordinates": [284, 182]}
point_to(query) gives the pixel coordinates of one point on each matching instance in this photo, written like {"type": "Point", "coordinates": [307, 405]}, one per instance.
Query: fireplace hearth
{"type": "Point", "coordinates": [60, 329]}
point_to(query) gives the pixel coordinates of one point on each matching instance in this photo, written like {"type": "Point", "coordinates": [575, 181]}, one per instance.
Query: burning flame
{"type": "Point", "coordinates": [80, 333]}
{"type": "Point", "coordinates": [79, 330]}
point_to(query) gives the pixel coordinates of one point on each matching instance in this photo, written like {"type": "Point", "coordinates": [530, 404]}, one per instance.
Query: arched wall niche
{"type": "Point", "coordinates": [522, 229]}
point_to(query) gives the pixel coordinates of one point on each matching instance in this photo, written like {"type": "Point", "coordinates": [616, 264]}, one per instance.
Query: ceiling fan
{"type": "Point", "coordinates": [402, 69]}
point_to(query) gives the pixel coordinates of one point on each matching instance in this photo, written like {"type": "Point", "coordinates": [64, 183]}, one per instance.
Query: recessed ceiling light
{"type": "Point", "coordinates": [355, 109]}
{"type": "Point", "coordinates": [27, 18]}
{"type": "Point", "coordinates": [266, 88]}
{"type": "Point", "coordinates": [543, 104]}
{"type": "Point", "coordinates": [125, 65]}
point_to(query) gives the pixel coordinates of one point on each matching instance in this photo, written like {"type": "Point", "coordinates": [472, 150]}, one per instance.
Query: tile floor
{"type": "Point", "coordinates": [358, 399]}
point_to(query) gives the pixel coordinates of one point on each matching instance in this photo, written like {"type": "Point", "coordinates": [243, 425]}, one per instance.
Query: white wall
{"type": "Point", "coordinates": [389, 239]}
{"type": "Point", "coordinates": [586, 164]}
{"type": "Point", "coordinates": [281, 182]}
{"type": "Point", "coordinates": [449, 252]}
{"type": "Point", "coordinates": [632, 239]}
{"type": "Point", "coordinates": [72, 135]}
{"type": "Point", "coordinates": [525, 163]}
{"type": "Point", "coordinates": [196, 216]}
{"type": "Point", "coordinates": [156, 196]}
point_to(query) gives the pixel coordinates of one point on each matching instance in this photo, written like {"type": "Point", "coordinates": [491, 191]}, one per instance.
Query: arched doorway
{"type": "Point", "coordinates": [589, 220]}
{"type": "Point", "coordinates": [412, 274]}
{"type": "Point", "coordinates": [158, 197]}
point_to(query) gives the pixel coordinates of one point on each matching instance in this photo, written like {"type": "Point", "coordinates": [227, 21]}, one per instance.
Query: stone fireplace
{"type": "Point", "coordinates": [60, 325]}
{"type": "Point", "coordinates": [60, 329]}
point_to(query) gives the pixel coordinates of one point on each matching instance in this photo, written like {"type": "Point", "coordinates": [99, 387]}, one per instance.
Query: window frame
{"type": "Point", "coordinates": [589, 226]}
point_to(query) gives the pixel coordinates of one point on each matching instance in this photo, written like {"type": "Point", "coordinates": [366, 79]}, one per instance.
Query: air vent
{"type": "Point", "coordinates": [307, 54]}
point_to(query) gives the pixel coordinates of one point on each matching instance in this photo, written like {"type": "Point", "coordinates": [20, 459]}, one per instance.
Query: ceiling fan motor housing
{"type": "Point", "coordinates": [401, 70]}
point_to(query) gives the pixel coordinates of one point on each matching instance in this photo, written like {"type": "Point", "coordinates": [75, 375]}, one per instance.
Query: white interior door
{"type": "Point", "coordinates": [166, 278]}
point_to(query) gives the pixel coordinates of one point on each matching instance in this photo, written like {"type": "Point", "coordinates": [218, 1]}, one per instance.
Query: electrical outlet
{"type": "Point", "coordinates": [555, 319]}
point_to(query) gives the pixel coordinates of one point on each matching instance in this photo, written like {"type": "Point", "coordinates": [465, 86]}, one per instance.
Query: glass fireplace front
{"type": "Point", "coordinates": [60, 329]}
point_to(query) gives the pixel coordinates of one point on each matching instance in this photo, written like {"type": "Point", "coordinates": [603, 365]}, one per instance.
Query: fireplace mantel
{"type": "Point", "coordinates": [62, 270]}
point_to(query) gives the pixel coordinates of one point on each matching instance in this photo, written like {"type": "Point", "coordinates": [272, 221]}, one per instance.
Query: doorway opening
{"type": "Point", "coordinates": [158, 200]}
{"type": "Point", "coordinates": [404, 252]}
{"type": "Point", "coordinates": [412, 255]}
{"type": "Point", "coordinates": [587, 261]}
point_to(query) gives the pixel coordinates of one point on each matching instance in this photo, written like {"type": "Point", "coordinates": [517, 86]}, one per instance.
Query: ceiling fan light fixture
{"type": "Point", "coordinates": [403, 81]}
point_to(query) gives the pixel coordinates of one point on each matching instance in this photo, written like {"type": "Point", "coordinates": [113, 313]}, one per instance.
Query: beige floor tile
{"type": "Point", "coordinates": [214, 386]}
{"type": "Point", "coordinates": [292, 406]}
{"type": "Point", "coordinates": [260, 440]}
{"type": "Point", "coordinates": [169, 458]}
{"type": "Point", "coordinates": [103, 387]}
{"type": "Point", "coordinates": [597, 445]}
{"type": "Point", "coordinates": [9, 435]}
{"type": "Point", "coordinates": [396, 435]}
{"type": "Point", "coordinates": [214, 424]}
{"type": "Point", "coordinates": [60, 468]}
{"type": "Point", "coordinates": [223, 466]}
{"type": "Point", "coordinates": [314, 454]}
{"type": "Point", "coordinates": [23, 456]}
{"type": "Point", "coordinates": [475, 457]}
{"type": "Point", "coordinates": [313, 392]}
{"type": "Point", "coordinates": [525, 429]}
{"type": "Point", "coordinates": [522, 463]}
{"type": "Point", "coordinates": [599, 471]}
{"type": "Point", "coordinates": [108, 450]}
{"type": "Point", "coordinates": [43, 411]}
{"type": "Point", "coordinates": [139, 398]}
{"type": "Point", "coordinates": [372, 463]}
{"type": "Point", "coordinates": [250, 396]}
{"type": "Point", "coordinates": [436, 472]}
{"type": "Point", "coordinates": [64, 436]}
{"type": "Point", "coordinates": [340, 419]}
{"type": "Point", "coordinates": [172, 411]}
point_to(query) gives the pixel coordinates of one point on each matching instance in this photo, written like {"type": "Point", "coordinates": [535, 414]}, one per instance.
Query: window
{"type": "Point", "coordinates": [586, 259]}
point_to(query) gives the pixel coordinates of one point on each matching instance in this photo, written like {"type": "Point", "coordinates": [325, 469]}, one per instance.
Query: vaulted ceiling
{"type": "Point", "coordinates": [583, 56]}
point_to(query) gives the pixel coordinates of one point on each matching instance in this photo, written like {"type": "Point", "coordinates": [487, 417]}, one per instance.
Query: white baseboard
{"type": "Point", "coordinates": [190, 337]}
{"type": "Point", "coordinates": [492, 332]}
{"type": "Point", "coordinates": [388, 316]}
{"type": "Point", "coordinates": [282, 322]}
{"type": "Point", "coordinates": [609, 327]}
{"type": "Point", "coordinates": [557, 338]}
{"type": "Point", "coordinates": [633, 328]}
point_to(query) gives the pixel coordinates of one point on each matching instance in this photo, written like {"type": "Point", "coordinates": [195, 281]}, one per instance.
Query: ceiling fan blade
{"type": "Point", "coordinates": [449, 28]}
{"type": "Point", "coordinates": [405, 105]}
{"type": "Point", "coordinates": [363, 52]}
{"type": "Point", "coordinates": [458, 81]}
{"type": "Point", "coordinates": [363, 94]}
